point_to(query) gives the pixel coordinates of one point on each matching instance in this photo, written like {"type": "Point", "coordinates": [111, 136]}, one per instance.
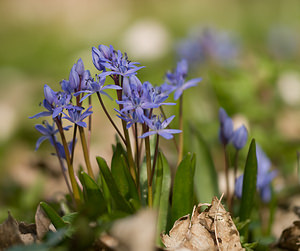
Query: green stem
{"type": "Point", "coordinates": [236, 158]}
{"type": "Point", "coordinates": [85, 153]}
{"type": "Point", "coordinates": [110, 119]}
{"type": "Point", "coordinates": [180, 151]}
{"type": "Point", "coordinates": [73, 144]}
{"type": "Point", "coordinates": [148, 162]}
{"type": "Point", "coordinates": [70, 166]}
{"type": "Point", "coordinates": [62, 167]}
{"type": "Point", "coordinates": [126, 134]}
{"type": "Point", "coordinates": [89, 127]}
{"type": "Point", "coordinates": [226, 158]}
{"type": "Point", "coordinates": [129, 153]}
{"type": "Point", "coordinates": [154, 159]}
{"type": "Point", "coordinates": [137, 155]}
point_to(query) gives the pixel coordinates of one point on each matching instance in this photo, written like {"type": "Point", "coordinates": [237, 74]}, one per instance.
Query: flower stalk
{"type": "Point", "coordinates": [70, 165]}
{"type": "Point", "coordinates": [86, 153]}
{"type": "Point", "coordinates": [180, 149]}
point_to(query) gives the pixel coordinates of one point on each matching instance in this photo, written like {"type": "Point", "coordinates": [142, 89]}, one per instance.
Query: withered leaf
{"type": "Point", "coordinates": [42, 223]}
{"type": "Point", "coordinates": [290, 237]}
{"type": "Point", "coordinates": [9, 233]}
{"type": "Point", "coordinates": [178, 233]}
{"type": "Point", "coordinates": [212, 229]}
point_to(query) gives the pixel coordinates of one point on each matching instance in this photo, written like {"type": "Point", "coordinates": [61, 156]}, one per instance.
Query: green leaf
{"type": "Point", "coordinates": [143, 183]}
{"type": "Point", "coordinates": [116, 195]}
{"type": "Point", "coordinates": [69, 218]}
{"type": "Point", "coordinates": [158, 182]}
{"type": "Point", "coordinates": [122, 176]}
{"type": "Point", "coordinates": [206, 179]}
{"type": "Point", "coordinates": [106, 193]}
{"type": "Point", "coordinates": [94, 199]}
{"type": "Point", "coordinates": [249, 184]}
{"type": "Point", "coordinates": [164, 193]}
{"type": "Point", "coordinates": [56, 220]}
{"type": "Point", "coordinates": [182, 200]}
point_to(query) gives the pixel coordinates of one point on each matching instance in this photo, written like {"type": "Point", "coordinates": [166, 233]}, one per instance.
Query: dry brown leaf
{"type": "Point", "coordinates": [212, 229]}
{"type": "Point", "coordinates": [42, 223]}
{"type": "Point", "coordinates": [177, 234]}
{"type": "Point", "coordinates": [290, 237]}
{"type": "Point", "coordinates": [9, 233]}
{"type": "Point", "coordinates": [16, 233]}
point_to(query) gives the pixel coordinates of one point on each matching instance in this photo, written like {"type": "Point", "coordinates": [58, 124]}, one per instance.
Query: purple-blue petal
{"type": "Point", "coordinates": [165, 134]}
{"type": "Point", "coordinates": [146, 134]}
{"type": "Point", "coordinates": [40, 114]}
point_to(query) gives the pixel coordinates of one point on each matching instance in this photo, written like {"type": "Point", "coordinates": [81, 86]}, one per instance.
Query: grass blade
{"type": "Point", "coordinates": [249, 184]}
{"type": "Point", "coordinates": [206, 179]}
{"type": "Point", "coordinates": [182, 200]}
{"type": "Point", "coordinates": [119, 201]}
{"type": "Point", "coordinates": [163, 206]}
{"type": "Point", "coordinates": [56, 220]}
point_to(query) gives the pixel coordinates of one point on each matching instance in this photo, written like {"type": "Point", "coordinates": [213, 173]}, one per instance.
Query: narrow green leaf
{"type": "Point", "coordinates": [206, 179]}
{"type": "Point", "coordinates": [143, 183]}
{"type": "Point", "coordinates": [122, 176]}
{"type": "Point", "coordinates": [106, 193]}
{"type": "Point", "coordinates": [56, 220]}
{"type": "Point", "coordinates": [249, 183]}
{"type": "Point", "coordinates": [118, 171]}
{"type": "Point", "coordinates": [158, 181]}
{"type": "Point", "coordinates": [163, 206]}
{"type": "Point", "coordinates": [69, 218]}
{"type": "Point", "coordinates": [116, 195]}
{"type": "Point", "coordinates": [182, 200]}
{"type": "Point", "coordinates": [93, 196]}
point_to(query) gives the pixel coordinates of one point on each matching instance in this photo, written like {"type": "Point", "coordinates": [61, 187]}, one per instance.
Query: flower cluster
{"type": "Point", "coordinates": [209, 45]}
{"type": "Point", "coordinates": [264, 176]}
{"type": "Point", "coordinates": [136, 102]}
{"type": "Point", "coordinates": [113, 62]}
{"type": "Point", "coordinates": [61, 105]}
{"type": "Point", "coordinates": [139, 100]}
{"type": "Point", "coordinates": [238, 137]}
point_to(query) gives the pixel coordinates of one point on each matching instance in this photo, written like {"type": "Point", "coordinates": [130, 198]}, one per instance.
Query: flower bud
{"type": "Point", "coordinates": [240, 137]}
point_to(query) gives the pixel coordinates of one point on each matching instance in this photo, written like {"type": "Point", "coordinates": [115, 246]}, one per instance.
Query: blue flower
{"type": "Point", "coordinates": [48, 131]}
{"type": "Point", "coordinates": [176, 80]}
{"type": "Point", "coordinates": [240, 137]}
{"type": "Point", "coordinates": [61, 149]}
{"type": "Point", "coordinates": [76, 116]}
{"type": "Point", "coordinates": [102, 56]}
{"type": "Point", "coordinates": [158, 127]}
{"type": "Point", "coordinates": [264, 177]}
{"type": "Point", "coordinates": [226, 127]}
{"type": "Point", "coordinates": [105, 58]}
{"type": "Point", "coordinates": [140, 97]}
{"type": "Point", "coordinates": [77, 79]}
{"type": "Point", "coordinates": [207, 45]}
{"type": "Point", "coordinates": [130, 117]}
{"type": "Point", "coordinates": [96, 87]}
{"type": "Point", "coordinates": [54, 103]}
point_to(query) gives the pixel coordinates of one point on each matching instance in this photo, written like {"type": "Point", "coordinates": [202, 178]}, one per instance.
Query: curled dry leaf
{"type": "Point", "coordinates": [212, 229]}
{"type": "Point", "coordinates": [9, 233]}
{"type": "Point", "coordinates": [14, 233]}
{"type": "Point", "coordinates": [42, 223]}
{"type": "Point", "coordinates": [290, 237]}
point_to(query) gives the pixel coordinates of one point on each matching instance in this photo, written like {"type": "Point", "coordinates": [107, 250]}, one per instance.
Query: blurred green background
{"type": "Point", "coordinates": [41, 40]}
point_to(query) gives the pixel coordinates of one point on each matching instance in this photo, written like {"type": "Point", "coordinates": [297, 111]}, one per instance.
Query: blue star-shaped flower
{"type": "Point", "coordinates": [158, 127]}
